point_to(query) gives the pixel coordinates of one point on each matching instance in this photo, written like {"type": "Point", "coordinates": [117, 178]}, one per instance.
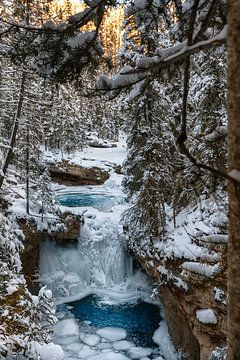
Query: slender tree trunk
{"type": "Point", "coordinates": [233, 188]}
{"type": "Point", "coordinates": [27, 173]}
{"type": "Point", "coordinates": [12, 141]}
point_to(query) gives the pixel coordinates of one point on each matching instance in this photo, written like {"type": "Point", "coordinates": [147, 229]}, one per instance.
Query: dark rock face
{"type": "Point", "coordinates": [67, 174]}
{"type": "Point", "coordinates": [34, 238]}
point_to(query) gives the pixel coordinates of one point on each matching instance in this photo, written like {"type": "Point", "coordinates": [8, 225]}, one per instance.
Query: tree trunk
{"type": "Point", "coordinates": [27, 172]}
{"type": "Point", "coordinates": [12, 141]}
{"type": "Point", "coordinates": [233, 187]}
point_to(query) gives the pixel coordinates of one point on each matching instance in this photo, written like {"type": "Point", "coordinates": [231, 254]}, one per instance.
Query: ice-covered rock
{"type": "Point", "coordinates": [49, 351]}
{"type": "Point", "coordinates": [108, 356]}
{"type": "Point", "coordinates": [65, 341]}
{"type": "Point", "coordinates": [139, 352]}
{"type": "Point", "coordinates": [122, 345]}
{"type": "Point", "coordinates": [86, 351]}
{"type": "Point", "coordinates": [104, 345]}
{"type": "Point", "coordinates": [112, 333]}
{"type": "Point", "coordinates": [91, 339]}
{"type": "Point", "coordinates": [67, 327]}
{"type": "Point", "coordinates": [74, 347]}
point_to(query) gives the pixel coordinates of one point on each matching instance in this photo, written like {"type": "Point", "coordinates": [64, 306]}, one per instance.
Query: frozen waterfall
{"type": "Point", "coordinates": [99, 260]}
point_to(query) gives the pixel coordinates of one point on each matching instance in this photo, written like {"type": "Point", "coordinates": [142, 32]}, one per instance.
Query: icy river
{"type": "Point", "coordinates": [104, 306]}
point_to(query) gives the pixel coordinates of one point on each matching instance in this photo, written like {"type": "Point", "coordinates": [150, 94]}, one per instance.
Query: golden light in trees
{"type": "Point", "coordinates": [110, 30]}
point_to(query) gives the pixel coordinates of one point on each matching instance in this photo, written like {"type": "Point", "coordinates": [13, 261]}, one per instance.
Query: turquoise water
{"type": "Point", "coordinates": [140, 319]}
{"type": "Point", "coordinates": [99, 201]}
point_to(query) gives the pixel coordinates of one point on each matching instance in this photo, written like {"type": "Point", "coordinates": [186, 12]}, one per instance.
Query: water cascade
{"type": "Point", "coordinates": [101, 309]}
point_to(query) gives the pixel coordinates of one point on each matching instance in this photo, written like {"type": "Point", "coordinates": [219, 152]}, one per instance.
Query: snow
{"type": "Point", "coordinates": [67, 327]}
{"type": "Point", "coordinates": [11, 289]}
{"type": "Point", "coordinates": [112, 333]}
{"type": "Point", "coordinates": [206, 316]}
{"type": "Point", "coordinates": [139, 352]}
{"type": "Point", "coordinates": [91, 340]}
{"type": "Point", "coordinates": [162, 338]}
{"type": "Point", "coordinates": [201, 269]}
{"type": "Point", "coordinates": [85, 352]}
{"type": "Point", "coordinates": [109, 356]}
{"type": "Point", "coordinates": [49, 351]}
{"type": "Point", "coordinates": [219, 296]}
{"type": "Point", "coordinates": [122, 345]}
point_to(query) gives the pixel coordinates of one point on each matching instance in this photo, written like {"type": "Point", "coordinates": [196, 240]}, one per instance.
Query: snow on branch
{"type": "Point", "coordinates": [201, 269]}
{"type": "Point", "coordinates": [179, 52]}
{"type": "Point", "coordinates": [163, 59]}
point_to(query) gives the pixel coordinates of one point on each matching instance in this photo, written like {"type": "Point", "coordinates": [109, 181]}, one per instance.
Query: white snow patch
{"type": "Point", "coordinates": [139, 352]}
{"type": "Point", "coordinates": [67, 327]}
{"type": "Point", "coordinates": [91, 339]}
{"type": "Point", "coordinates": [49, 351]}
{"type": "Point", "coordinates": [11, 289]}
{"type": "Point", "coordinates": [162, 338]}
{"type": "Point", "coordinates": [123, 345]}
{"type": "Point", "coordinates": [200, 268]}
{"type": "Point", "coordinates": [86, 351]}
{"type": "Point", "coordinates": [112, 333]}
{"type": "Point", "coordinates": [206, 316]}
{"type": "Point", "coordinates": [108, 356]}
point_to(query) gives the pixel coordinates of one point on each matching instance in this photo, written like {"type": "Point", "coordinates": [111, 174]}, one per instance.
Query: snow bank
{"type": "Point", "coordinates": [49, 351]}
{"type": "Point", "coordinates": [139, 352]}
{"type": "Point", "coordinates": [162, 338]}
{"type": "Point", "coordinates": [67, 327]}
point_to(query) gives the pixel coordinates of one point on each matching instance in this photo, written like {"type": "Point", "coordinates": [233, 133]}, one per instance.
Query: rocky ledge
{"type": "Point", "coordinates": [69, 233]}
{"type": "Point", "coordinates": [194, 303]}
{"type": "Point", "coordinates": [67, 174]}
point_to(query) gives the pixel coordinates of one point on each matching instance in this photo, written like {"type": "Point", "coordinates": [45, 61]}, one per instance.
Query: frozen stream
{"type": "Point", "coordinates": [104, 308]}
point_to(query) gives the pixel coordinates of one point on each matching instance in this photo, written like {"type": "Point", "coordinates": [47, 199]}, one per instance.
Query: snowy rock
{"type": "Point", "coordinates": [91, 340]}
{"type": "Point", "coordinates": [66, 340]}
{"type": "Point", "coordinates": [123, 345]}
{"type": "Point", "coordinates": [49, 351]}
{"type": "Point", "coordinates": [86, 351]}
{"type": "Point", "coordinates": [74, 347]}
{"type": "Point", "coordinates": [67, 327]}
{"type": "Point", "coordinates": [104, 345]}
{"type": "Point", "coordinates": [11, 289]}
{"type": "Point", "coordinates": [139, 352]}
{"type": "Point", "coordinates": [109, 356]}
{"type": "Point", "coordinates": [206, 316]}
{"type": "Point", "coordinates": [112, 333]}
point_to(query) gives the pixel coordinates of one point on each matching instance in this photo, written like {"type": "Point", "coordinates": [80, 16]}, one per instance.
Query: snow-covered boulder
{"type": "Point", "coordinates": [112, 333]}
{"type": "Point", "coordinates": [67, 327]}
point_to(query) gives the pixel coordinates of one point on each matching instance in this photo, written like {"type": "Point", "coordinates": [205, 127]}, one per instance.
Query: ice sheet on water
{"type": "Point", "coordinates": [74, 347]}
{"type": "Point", "coordinates": [49, 351]}
{"type": "Point", "coordinates": [86, 351]}
{"type": "Point", "coordinates": [104, 345]}
{"type": "Point", "coordinates": [109, 356]}
{"type": "Point", "coordinates": [122, 345]}
{"type": "Point", "coordinates": [66, 340]}
{"type": "Point", "coordinates": [91, 339]}
{"type": "Point", "coordinates": [112, 333]}
{"type": "Point", "coordinates": [139, 352]}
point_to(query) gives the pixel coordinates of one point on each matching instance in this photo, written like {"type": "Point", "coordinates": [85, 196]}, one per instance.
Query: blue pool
{"type": "Point", "coordinates": [140, 319]}
{"type": "Point", "coordinates": [100, 201]}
